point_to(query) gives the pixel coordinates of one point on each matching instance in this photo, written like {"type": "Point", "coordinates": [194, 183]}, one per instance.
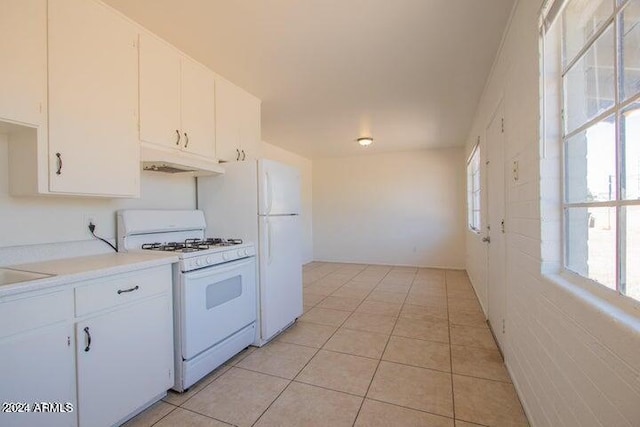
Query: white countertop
{"type": "Point", "coordinates": [69, 270]}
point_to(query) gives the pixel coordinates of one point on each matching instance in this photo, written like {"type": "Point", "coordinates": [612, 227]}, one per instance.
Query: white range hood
{"type": "Point", "coordinates": [157, 160]}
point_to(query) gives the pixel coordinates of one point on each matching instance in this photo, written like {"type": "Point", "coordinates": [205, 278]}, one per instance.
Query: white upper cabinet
{"type": "Point", "coordinates": [237, 123]}
{"type": "Point", "coordinates": [177, 100]}
{"type": "Point", "coordinates": [93, 98]}
{"type": "Point", "coordinates": [198, 109]}
{"type": "Point", "coordinates": [23, 73]}
{"type": "Point", "coordinates": [250, 135]}
{"type": "Point", "coordinates": [159, 93]}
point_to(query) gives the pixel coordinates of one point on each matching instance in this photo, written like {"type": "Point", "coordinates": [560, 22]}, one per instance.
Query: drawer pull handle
{"type": "Point", "coordinates": [178, 134]}
{"type": "Point", "coordinates": [124, 291]}
{"type": "Point", "coordinates": [86, 331]}
{"type": "Point", "coordinates": [186, 137]}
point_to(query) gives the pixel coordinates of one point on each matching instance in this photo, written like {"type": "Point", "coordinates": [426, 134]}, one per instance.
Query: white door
{"type": "Point", "coordinates": [278, 188]}
{"type": "Point", "coordinates": [496, 225]}
{"type": "Point", "coordinates": [159, 93]}
{"type": "Point", "coordinates": [280, 272]}
{"type": "Point", "coordinates": [124, 360]}
{"type": "Point", "coordinates": [198, 109]}
{"type": "Point", "coordinates": [93, 100]}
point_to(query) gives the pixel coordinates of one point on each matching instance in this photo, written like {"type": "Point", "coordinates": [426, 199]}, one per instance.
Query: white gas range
{"type": "Point", "coordinates": [215, 306]}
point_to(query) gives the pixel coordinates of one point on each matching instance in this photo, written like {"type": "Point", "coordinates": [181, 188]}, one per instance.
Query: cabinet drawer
{"type": "Point", "coordinates": [110, 292]}
{"type": "Point", "coordinates": [24, 314]}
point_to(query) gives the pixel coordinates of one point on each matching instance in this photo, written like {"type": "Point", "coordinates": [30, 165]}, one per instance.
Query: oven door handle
{"type": "Point", "coordinates": [219, 269]}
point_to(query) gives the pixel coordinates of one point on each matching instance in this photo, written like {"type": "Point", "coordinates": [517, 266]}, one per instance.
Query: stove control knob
{"type": "Point", "coordinates": [246, 252]}
{"type": "Point", "coordinates": [209, 260]}
{"type": "Point", "coordinates": [240, 254]}
{"type": "Point", "coordinates": [226, 256]}
{"type": "Point", "coordinates": [198, 262]}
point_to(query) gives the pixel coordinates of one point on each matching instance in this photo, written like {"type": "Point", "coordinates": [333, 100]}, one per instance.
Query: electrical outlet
{"type": "Point", "coordinates": [88, 219]}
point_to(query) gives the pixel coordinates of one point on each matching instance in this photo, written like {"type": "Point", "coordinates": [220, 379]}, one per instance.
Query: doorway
{"type": "Point", "coordinates": [496, 260]}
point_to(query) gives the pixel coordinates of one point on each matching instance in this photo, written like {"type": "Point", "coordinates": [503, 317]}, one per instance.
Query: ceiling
{"type": "Point", "coordinates": [409, 73]}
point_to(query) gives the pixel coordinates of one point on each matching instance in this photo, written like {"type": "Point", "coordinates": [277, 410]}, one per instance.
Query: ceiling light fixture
{"type": "Point", "coordinates": [365, 141]}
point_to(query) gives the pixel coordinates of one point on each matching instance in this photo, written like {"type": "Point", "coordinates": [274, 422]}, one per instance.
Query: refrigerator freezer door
{"type": "Point", "coordinates": [279, 188]}
{"type": "Point", "coordinates": [280, 273]}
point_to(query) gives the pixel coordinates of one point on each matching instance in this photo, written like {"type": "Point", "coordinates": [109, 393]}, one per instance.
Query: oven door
{"type": "Point", "coordinates": [215, 303]}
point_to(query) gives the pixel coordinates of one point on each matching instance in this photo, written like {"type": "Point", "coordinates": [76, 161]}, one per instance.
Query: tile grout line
{"type": "Point", "coordinates": [391, 361]}
{"type": "Point", "coordinates": [381, 355]}
{"type": "Point", "coordinates": [207, 416]}
{"type": "Point", "coordinates": [446, 293]}
{"type": "Point", "coordinates": [161, 418]}
{"type": "Point", "coordinates": [317, 350]}
{"type": "Point", "coordinates": [302, 369]}
{"type": "Point", "coordinates": [228, 368]}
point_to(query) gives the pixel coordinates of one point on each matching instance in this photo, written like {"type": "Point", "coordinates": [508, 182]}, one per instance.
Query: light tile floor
{"type": "Point", "coordinates": [376, 346]}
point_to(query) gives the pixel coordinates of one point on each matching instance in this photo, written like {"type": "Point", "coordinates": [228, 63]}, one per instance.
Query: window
{"type": "Point", "coordinates": [473, 190]}
{"type": "Point", "coordinates": [598, 54]}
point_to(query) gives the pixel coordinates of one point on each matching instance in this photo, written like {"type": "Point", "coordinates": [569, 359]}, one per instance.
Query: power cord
{"type": "Point", "coordinates": [92, 228]}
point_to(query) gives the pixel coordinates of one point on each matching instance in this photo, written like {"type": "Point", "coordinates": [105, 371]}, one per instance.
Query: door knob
{"type": "Point", "coordinates": [486, 239]}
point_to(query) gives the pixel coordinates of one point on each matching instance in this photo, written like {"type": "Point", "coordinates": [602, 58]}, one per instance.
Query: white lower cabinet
{"type": "Point", "coordinates": [94, 353]}
{"type": "Point", "coordinates": [37, 367]}
{"type": "Point", "coordinates": [123, 362]}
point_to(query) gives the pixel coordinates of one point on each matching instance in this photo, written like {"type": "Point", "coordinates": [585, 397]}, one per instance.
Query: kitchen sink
{"type": "Point", "coordinates": [9, 276]}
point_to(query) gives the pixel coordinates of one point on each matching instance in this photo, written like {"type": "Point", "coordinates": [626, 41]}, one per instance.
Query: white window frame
{"type": "Point", "coordinates": [474, 193]}
{"type": "Point", "coordinates": [551, 10]}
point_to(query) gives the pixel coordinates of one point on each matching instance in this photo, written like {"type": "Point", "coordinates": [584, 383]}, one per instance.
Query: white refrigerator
{"type": "Point", "coordinates": [259, 201]}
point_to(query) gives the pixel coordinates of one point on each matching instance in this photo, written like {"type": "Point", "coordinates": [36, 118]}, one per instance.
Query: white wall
{"type": "Point", "coordinates": [402, 208]}
{"type": "Point", "coordinates": [61, 221]}
{"type": "Point", "coordinates": [52, 219]}
{"type": "Point", "coordinates": [574, 359]}
{"type": "Point", "coordinates": [272, 152]}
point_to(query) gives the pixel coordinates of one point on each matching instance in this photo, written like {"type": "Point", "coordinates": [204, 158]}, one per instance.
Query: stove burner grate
{"type": "Point", "coordinates": [191, 245]}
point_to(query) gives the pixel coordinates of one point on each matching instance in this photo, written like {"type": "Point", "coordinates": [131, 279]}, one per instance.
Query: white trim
{"type": "Point", "coordinates": [622, 308]}
{"type": "Point", "coordinates": [590, 42]}
{"type": "Point", "coordinates": [605, 204]}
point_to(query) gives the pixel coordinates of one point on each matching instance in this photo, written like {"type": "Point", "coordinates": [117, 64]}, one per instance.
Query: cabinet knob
{"type": "Point", "coordinates": [178, 140]}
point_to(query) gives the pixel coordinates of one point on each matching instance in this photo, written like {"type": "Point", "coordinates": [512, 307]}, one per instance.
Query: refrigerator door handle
{"type": "Point", "coordinates": [269, 193]}
{"type": "Point", "coordinates": [269, 241]}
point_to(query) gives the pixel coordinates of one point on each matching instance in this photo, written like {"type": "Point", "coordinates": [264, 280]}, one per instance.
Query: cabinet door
{"type": "Point", "coordinates": [23, 49]}
{"type": "Point", "coordinates": [198, 109]}
{"type": "Point", "coordinates": [250, 139]}
{"type": "Point", "coordinates": [38, 366]}
{"type": "Point", "coordinates": [159, 93]}
{"type": "Point", "coordinates": [128, 362]}
{"type": "Point", "coordinates": [93, 98]}
{"type": "Point", "coordinates": [227, 121]}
